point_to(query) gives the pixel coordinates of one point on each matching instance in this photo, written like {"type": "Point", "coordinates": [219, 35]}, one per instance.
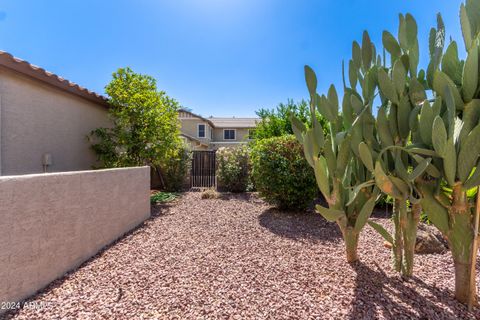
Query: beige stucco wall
{"type": "Point", "coordinates": [51, 223]}
{"type": "Point", "coordinates": [37, 118]}
{"type": "Point", "coordinates": [189, 126]}
{"type": "Point", "coordinates": [240, 135]}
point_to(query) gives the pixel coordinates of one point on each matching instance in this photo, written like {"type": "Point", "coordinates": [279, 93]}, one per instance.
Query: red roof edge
{"type": "Point", "coordinates": [24, 67]}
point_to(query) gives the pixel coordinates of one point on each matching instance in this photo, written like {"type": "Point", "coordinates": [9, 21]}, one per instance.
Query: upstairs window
{"type": "Point", "coordinates": [201, 131]}
{"type": "Point", "coordinates": [229, 134]}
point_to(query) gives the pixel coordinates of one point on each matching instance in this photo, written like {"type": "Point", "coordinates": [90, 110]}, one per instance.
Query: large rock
{"type": "Point", "coordinates": [429, 240]}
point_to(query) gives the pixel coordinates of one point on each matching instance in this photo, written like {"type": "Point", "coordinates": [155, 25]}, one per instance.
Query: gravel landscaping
{"type": "Point", "coordinates": [236, 257]}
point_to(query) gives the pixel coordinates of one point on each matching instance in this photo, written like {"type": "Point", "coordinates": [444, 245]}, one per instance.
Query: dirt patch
{"type": "Point", "coordinates": [236, 257]}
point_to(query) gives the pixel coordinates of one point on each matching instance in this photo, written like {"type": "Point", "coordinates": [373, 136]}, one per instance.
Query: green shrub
{"type": "Point", "coordinates": [175, 168]}
{"type": "Point", "coordinates": [162, 197]}
{"type": "Point", "coordinates": [233, 168]}
{"type": "Point", "coordinates": [281, 174]}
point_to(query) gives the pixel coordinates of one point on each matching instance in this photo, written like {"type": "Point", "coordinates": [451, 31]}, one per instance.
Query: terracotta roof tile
{"type": "Point", "coordinates": [24, 67]}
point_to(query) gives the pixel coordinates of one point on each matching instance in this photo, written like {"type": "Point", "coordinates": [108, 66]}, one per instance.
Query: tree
{"type": "Point", "coordinates": [145, 123]}
{"type": "Point", "coordinates": [276, 122]}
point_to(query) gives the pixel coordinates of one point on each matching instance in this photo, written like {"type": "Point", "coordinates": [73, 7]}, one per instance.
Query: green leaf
{"type": "Point", "coordinates": [431, 169]}
{"type": "Point", "coordinates": [450, 62]}
{"type": "Point", "coordinates": [411, 30]}
{"type": "Point", "coordinates": [426, 123]}
{"type": "Point", "coordinates": [402, 33]}
{"type": "Point", "coordinates": [382, 231]}
{"type": "Point", "coordinates": [431, 42]}
{"type": "Point", "coordinates": [466, 28]}
{"type": "Point", "coordinates": [326, 109]}
{"type": "Point", "coordinates": [470, 117]}
{"type": "Point", "coordinates": [391, 44]}
{"type": "Point", "coordinates": [413, 59]}
{"type": "Point", "coordinates": [366, 156]}
{"type": "Point", "coordinates": [399, 77]}
{"type": "Point", "coordinates": [450, 162]}
{"type": "Point", "coordinates": [422, 151]}
{"type": "Point", "coordinates": [384, 183]}
{"type": "Point", "coordinates": [311, 80]}
{"type": "Point", "coordinates": [357, 104]}
{"type": "Point", "coordinates": [401, 185]}
{"type": "Point", "coordinates": [352, 74]}
{"type": "Point", "coordinates": [311, 147]}
{"type": "Point", "coordinates": [364, 214]}
{"type": "Point", "coordinates": [419, 169]}
{"type": "Point", "coordinates": [318, 133]}
{"type": "Point", "coordinates": [468, 155]}
{"type": "Point", "coordinates": [298, 128]}
{"type": "Point", "coordinates": [333, 99]}
{"type": "Point", "coordinates": [434, 210]}
{"type": "Point", "coordinates": [400, 169]}
{"type": "Point", "coordinates": [417, 92]}
{"type": "Point", "coordinates": [366, 50]}
{"type": "Point", "coordinates": [321, 175]}
{"type": "Point", "coordinates": [331, 215]}
{"type": "Point", "coordinates": [439, 136]}
{"type": "Point", "coordinates": [474, 179]}
{"type": "Point", "coordinates": [343, 156]}
{"type": "Point", "coordinates": [440, 84]}
{"type": "Point", "coordinates": [330, 156]}
{"type": "Point", "coordinates": [403, 116]}
{"type": "Point", "coordinates": [383, 128]}
{"type": "Point", "coordinates": [357, 54]}
{"type": "Point", "coordinates": [357, 189]}
{"type": "Point", "coordinates": [386, 86]}
{"type": "Point", "coordinates": [470, 75]}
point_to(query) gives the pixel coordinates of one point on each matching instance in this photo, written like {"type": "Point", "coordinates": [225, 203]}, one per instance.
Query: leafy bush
{"type": "Point", "coordinates": [233, 168]}
{"type": "Point", "coordinates": [175, 168]}
{"type": "Point", "coordinates": [276, 122]}
{"type": "Point", "coordinates": [281, 174]}
{"type": "Point", "coordinates": [145, 123]}
{"type": "Point", "coordinates": [162, 197]}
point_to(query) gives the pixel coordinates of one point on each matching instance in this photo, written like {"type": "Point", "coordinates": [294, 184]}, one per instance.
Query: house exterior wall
{"type": "Point", "coordinates": [37, 118]}
{"type": "Point", "coordinates": [51, 223]}
{"type": "Point", "coordinates": [241, 135]}
{"type": "Point", "coordinates": [190, 126]}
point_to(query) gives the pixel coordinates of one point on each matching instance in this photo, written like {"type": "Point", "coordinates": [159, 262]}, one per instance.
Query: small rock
{"type": "Point", "coordinates": [429, 240]}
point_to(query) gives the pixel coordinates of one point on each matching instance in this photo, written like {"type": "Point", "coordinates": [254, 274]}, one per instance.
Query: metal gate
{"type": "Point", "coordinates": [203, 170]}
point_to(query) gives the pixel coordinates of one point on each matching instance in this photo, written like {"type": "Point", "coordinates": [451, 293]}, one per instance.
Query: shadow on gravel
{"type": "Point", "coordinates": [299, 226]}
{"type": "Point", "coordinates": [373, 291]}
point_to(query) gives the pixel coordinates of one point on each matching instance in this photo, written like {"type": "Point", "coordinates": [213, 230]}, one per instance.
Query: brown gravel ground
{"type": "Point", "coordinates": [238, 258]}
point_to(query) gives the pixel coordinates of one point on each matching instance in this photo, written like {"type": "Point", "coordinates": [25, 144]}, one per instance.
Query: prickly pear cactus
{"type": "Point", "coordinates": [396, 168]}
{"type": "Point", "coordinates": [343, 180]}
{"type": "Point", "coordinates": [450, 127]}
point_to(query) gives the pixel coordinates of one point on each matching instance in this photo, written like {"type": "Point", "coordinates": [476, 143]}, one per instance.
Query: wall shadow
{"type": "Point", "coordinates": [299, 225]}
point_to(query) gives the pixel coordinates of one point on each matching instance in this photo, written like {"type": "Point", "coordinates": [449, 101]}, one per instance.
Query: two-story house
{"type": "Point", "coordinates": [212, 133]}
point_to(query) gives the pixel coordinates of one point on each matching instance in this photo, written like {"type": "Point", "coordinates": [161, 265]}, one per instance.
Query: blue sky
{"type": "Point", "coordinates": [217, 57]}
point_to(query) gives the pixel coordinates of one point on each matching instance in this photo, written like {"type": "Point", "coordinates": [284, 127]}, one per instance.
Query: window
{"type": "Point", "coordinates": [229, 134]}
{"type": "Point", "coordinates": [201, 131]}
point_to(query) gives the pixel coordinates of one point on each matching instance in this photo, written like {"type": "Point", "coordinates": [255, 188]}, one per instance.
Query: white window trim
{"type": "Point", "coordinates": [204, 131]}
{"type": "Point", "coordinates": [235, 134]}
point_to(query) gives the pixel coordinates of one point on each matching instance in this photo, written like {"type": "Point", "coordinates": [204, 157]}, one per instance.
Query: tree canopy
{"type": "Point", "coordinates": [145, 122]}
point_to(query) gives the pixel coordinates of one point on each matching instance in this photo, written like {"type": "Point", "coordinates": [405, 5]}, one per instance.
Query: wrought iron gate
{"type": "Point", "coordinates": [203, 170]}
